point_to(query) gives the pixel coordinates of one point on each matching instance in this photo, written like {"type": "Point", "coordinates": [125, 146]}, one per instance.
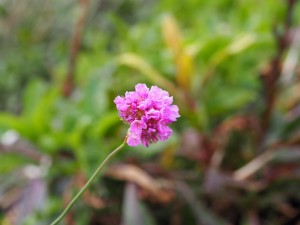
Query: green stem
{"type": "Point", "coordinates": [95, 174]}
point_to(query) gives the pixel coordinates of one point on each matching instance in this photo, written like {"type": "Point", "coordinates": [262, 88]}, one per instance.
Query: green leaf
{"type": "Point", "coordinates": [101, 126]}
{"type": "Point", "coordinates": [8, 121]}
{"type": "Point", "coordinates": [33, 94]}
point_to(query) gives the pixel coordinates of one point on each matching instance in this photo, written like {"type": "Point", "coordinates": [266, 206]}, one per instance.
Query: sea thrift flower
{"type": "Point", "coordinates": [148, 112]}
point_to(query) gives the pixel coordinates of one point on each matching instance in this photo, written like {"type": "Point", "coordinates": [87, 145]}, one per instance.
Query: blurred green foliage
{"type": "Point", "coordinates": [207, 54]}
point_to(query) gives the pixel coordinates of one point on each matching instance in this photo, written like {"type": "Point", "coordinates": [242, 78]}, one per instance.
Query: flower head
{"type": "Point", "coordinates": [148, 112]}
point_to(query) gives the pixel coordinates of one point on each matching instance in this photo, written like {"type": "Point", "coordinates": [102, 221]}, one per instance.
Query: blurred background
{"type": "Point", "coordinates": [233, 69]}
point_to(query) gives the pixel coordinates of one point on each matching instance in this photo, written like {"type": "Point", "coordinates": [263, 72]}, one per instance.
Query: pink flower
{"type": "Point", "coordinates": [148, 112]}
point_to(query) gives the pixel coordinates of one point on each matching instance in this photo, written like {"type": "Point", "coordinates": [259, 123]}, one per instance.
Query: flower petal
{"type": "Point", "coordinates": [142, 90]}
{"type": "Point", "coordinates": [164, 132]}
{"type": "Point", "coordinates": [133, 140]}
{"type": "Point", "coordinates": [121, 103]}
{"type": "Point", "coordinates": [170, 113]}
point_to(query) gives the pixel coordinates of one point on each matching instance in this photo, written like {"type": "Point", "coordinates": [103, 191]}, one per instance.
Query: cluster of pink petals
{"type": "Point", "coordinates": [148, 112]}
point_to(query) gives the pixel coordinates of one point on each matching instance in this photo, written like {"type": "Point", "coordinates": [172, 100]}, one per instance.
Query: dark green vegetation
{"type": "Point", "coordinates": [233, 69]}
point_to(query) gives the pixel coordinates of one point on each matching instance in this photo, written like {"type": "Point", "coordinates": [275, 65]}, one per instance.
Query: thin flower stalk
{"type": "Point", "coordinates": [88, 183]}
